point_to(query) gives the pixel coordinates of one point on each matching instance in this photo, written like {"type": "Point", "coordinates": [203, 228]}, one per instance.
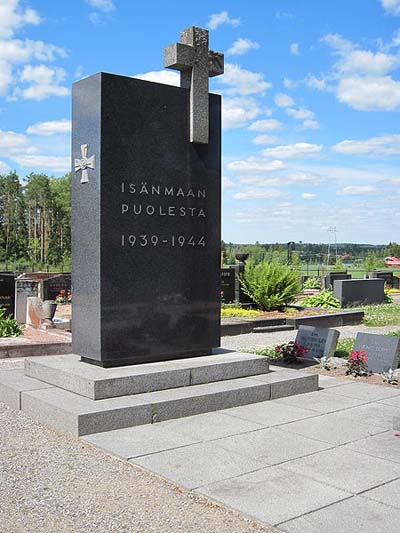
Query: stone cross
{"type": "Point", "coordinates": [84, 163]}
{"type": "Point", "coordinates": [197, 63]}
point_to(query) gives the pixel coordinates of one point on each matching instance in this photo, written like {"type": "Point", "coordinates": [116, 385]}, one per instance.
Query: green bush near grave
{"type": "Point", "coordinates": [270, 285]}
{"type": "Point", "coordinates": [231, 312]}
{"type": "Point", "coordinates": [394, 334]}
{"type": "Point", "coordinates": [267, 351]}
{"type": "Point", "coordinates": [314, 282]}
{"type": "Point", "coordinates": [9, 327]}
{"type": "Point", "coordinates": [324, 299]}
{"type": "Point", "coordinates": [344, 347]}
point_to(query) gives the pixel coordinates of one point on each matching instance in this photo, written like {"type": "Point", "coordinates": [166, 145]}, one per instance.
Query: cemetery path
{"type": "Point", "coordinates": [50, 482]}
{"type": "Point", "coordinates": [255, 340]}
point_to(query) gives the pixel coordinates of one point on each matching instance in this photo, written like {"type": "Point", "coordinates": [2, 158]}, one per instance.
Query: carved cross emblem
{"type": "Point", "coordinates": [84, 163]}
{"type": "Point", "coordinates": [196, 63]}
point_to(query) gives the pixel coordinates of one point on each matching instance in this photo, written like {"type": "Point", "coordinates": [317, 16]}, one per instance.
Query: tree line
{"type": "Point", "coordinates": [35, 219]}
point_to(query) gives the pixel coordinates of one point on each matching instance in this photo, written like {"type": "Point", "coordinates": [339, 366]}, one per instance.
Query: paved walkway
{"type": "Point", "coordinates": [322, 461]}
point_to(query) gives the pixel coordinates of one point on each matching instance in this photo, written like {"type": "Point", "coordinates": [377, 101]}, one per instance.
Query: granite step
{"type": "Point", "coordinates": [96, 383]}
{"type": "Point", "coordinates": [77, 415]}
{"type": "Point", "coordinates": [273, 329]}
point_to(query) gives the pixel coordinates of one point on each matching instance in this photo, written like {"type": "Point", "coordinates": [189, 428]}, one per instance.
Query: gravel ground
{"type": "Point", "coordinates": [49, 482]}
{"type": "Point", "coordinates": [255, 340]}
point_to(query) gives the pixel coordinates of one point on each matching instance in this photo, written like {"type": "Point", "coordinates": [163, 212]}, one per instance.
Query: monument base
{"type": "Point", "coordinates": [138, 360]}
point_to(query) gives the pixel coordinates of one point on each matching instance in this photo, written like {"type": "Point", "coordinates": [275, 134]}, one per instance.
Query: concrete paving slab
{"type": "Point", "coordinates": [322, 402]}
{"type": "Point", "coordinates": [13, 382]}
{"type": "Point", "coordinates": [354, 515]}
{"type": "Point", "coordinates": [389, 494]}
{"type": "Point", "coordinates": [345, 470]}
{"type": "Point", "coordinates": [272, 445]}
{"type": "Point", "coordinates": [364, 391]}
{"type": "Point", "coordinates": [270, 413]}
{"type": "Point", "coordinates": [273, 495]}
{"type": "Point", "coordinates": [396, 423]}
{"type": "Point", "coordinates": [394, 402]}
{"type": "Point", "coordinates": [198, 464]}
{"type": "Point", "coordinates": [332, 428]}
{"type": "Point", "coordinates": [326, 382]}
{"type": "Point", "coordinates": [375, 414]}
{"type": "Point", "coordinates": [139, 440]}
{"type": "Point", "coordinates": [385, 446]}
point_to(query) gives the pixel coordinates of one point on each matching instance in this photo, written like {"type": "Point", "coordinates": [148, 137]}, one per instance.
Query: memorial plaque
{"type": "Point", "coordinates": [383, 351]}
{"type": "Point", "coordinates": [7, 293]}
{"type": "Point", "coordinates": [320, 342]}
{"type": "Point", "coordinates": [53, 286]}
{"type": "Point", "coordinates": [146, 223]}
{"type": "Point", "coordinates": [228, 285]}
{"type": "Point", "coordinates": [351, 292]}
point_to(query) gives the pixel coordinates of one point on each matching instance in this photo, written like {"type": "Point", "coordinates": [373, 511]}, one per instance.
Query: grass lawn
{"type": "Point", "coordinates": [381, 315]}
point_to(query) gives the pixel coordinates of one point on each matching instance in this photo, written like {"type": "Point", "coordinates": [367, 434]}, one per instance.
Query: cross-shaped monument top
{"type": "Point", "coordinates": [197, 63]}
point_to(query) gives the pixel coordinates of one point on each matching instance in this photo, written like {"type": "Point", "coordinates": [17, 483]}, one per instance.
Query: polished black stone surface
{"type": "Point", "coordinates": [146, 225]}
{"type": "Point", "coordinates": [53, 286]}
{"type": "Point", "coordinates": [7, 293]}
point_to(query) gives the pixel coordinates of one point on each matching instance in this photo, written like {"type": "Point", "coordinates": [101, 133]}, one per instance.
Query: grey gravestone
{"type": "Point", "coordinates": [386, 275]}
{"type": "Point", "coordinates": [320, 342]}
{"type": "Point", "coordinates": [145, 223]}
{"type": "Point", "coordinates": [24, 288]}
{"type": "Point", "coordinates": [359, 291]}
{"type": "Point", "coordinates": [228, 285]}
{"type": "Point", "coordinates": [383, 351]}
{"type": "Point", "coordinates": [7, 293]}
{"type": "Point", "coordinates": [53, 286]}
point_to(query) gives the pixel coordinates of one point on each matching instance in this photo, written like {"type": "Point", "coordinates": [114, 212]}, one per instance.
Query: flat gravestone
{"type": "Point", "coordinates": [7, 293]}
{"type": "Point", "coordinates": [145, 223]}
{"type": "Point", "coordinates": [383, 351]}
{"type": "Point", "coordinates": [351, 292]}
{"type": "Point", "coordinates": [320, 342]}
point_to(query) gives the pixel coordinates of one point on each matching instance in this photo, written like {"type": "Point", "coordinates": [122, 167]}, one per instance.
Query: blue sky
{"type": "Point", "coordinates": [311, 99]}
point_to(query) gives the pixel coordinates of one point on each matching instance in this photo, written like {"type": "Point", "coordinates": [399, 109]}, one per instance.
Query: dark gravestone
{"type": "Point", "coordinates": [333, 276]}
{"type": "Point", "coordinates": [386, 275]}
{"type": "Point", "coordinates": [359, 291]}
{"type": "Point", "coordinates": [320, 342]}
{"type": "Point", "coordinates": [7, 293]}
{"type": "Point", "coordinates": [227, 285]}
{"type": "Point", "coordinates": [53, 286]}
{"type": "Point", "coordinates": [145, 223]}
{"type": "Point", "coordinates": [383, 351]}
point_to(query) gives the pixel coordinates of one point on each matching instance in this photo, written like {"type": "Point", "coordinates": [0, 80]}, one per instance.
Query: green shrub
{"type": "Point", "coordinates": [9, 327]}
{"type": "Point", "coordinates": [313, 282]}
{"type": "Point", "coordinates": [229, 312]}
{"type": "Point", "coordinates": [388, 298]}
{"type": "Point", "coordinates": [344, 347]}
{"type": "Point", "coordinates": [394, 334]}
{"type": "Point", "coordinates": [324, 299]}
{"type": "Point", "coordinates": [270, 285]}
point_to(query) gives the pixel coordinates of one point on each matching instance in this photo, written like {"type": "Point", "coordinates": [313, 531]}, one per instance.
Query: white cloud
{"type": "Point", "coordinates": [242, 82]}
{"type": "Point", "coordinates": [264, 139]}
{"type": "Point", "coordinates": [4, 168]}
{"type": "Point", "coordinates": [43, 82]}
{"type": "Point", "coordinates": [308, 196]}
{"type": "Point", "coordinates": [237, 112]}
{"type": "Point", "coordinates": [297, 150]}
{"type": "Point", "coordinates": [269, 124]}
{"type": "Point", "coordinates": [353, 190]}
{"type": "Point", "coordinates": [283, 100]}
{"type": "Point", "coordinates": [253, 165]}
{"type": "Point", "coordinates": [369, 94]}
{"type": "Point", "coordinates": [44, 162]}
{"type": "Point", "coordinates": [242, 46]}
{"type": "Point", "coordinates": [222, 18]}
{"type": "Point", "coordinates": [227, 183]}
{"type": "Point", "coordinates": [289, 84]}
{"type": "Point", "coordinates": [6, 77]}
{"type": "Point", "coordinates": [259, 194]}
{"type": "Point", "coordinates": [51, 127]}
{"type": "Point", "coordinates": [384, 145]}
{"type": "Point", "coordinates": [300, 114]}
{"type": "Point", "coordinates": [17, 51]}
{"type": "Point", "coordinates": [310, 125]}
{"type": "Point", "coordinates": [11, 142]}
{"type": "Point", "coordinates": [13, 17]}
{"type": "Point", "coordinates": [294, 49]}
{"type": "Point", "coordinates": [160, 76]}
{"type": "Point", "coordinates": [392, 7]}
{"type": "Point", "coordinates": [320, 84]}
{"type": "Point", "coordinates": [102, 5]}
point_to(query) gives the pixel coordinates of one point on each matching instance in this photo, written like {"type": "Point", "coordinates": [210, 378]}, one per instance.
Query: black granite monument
{"type": "Point", "coordinates": [146, 214]}
{"type": "Point", "coordinates": [7, 293]}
